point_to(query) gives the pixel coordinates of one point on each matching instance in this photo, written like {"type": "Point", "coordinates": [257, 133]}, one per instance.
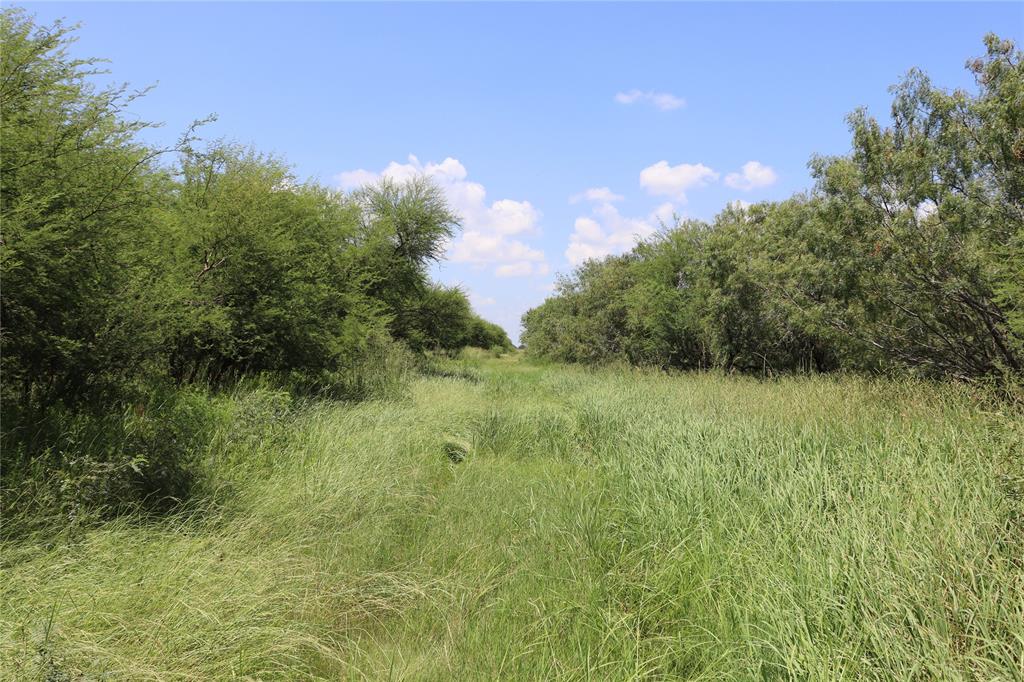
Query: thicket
{"type": "Point", "coordinates": [907, 255]}
{"type": "Point", "coordinates": [136, 279]}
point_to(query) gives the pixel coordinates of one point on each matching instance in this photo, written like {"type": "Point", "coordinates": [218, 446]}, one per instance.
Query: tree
{"type": "Point", "coordinates": [268, 269]}
{"type": "Point", "coordinates": [405, 227]}
{"type": "Point", "coordinates": [908, 254]}
{"type": "Point", "coordinates": [76, 196]}
{"type": "Point", "coordinates": [931, 208]}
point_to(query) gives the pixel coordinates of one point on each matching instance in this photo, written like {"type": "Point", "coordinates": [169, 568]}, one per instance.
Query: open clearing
{"type": "Point", "coordinates": [513, 520]}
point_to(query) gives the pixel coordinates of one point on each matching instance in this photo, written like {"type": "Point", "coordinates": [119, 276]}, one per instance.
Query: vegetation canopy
{"type": "Point", "coordinates": [246, 435]}
{"type": "Point", "coordinates": [133, 275]}
{"type": "Point", "coordinates": [905, 256]}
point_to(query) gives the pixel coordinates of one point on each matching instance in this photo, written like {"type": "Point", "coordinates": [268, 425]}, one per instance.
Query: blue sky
{"type": "Point", "coordinates": [559, 131]}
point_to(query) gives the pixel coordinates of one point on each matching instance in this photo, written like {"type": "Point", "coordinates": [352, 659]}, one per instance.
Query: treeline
{"type": "Point", "coordinates": [908, 254]}
{"type": "Point", "coordinates": [130, 272]}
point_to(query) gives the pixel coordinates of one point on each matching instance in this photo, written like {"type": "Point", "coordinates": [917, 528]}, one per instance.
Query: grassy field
{"type": "Point", "coordinates": [516, 521]}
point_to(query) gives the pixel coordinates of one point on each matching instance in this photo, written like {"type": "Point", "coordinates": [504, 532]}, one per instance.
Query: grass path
{"type": "Point", "coordinates": [603, 525]}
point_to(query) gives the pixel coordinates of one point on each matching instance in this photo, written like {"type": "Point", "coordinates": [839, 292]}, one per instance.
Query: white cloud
{"type": "Point", "coordinates": [580, 252]}
{"type": "Point", "coordinates": [753, 175]}
{"type": "Point", "coordinates": [589, 229]}
{"type": "Point", "coordinates": [486, 227]}
{"type": "Point", "coordinates": [355, 178]}
{"type": "Point", "coordinates": [595, 194]}
{"type": "Point", "coordinates": [512, 217]}
{"type": "Point", "coordinates": [665, 214]}
{"type": "Point", "coordinates": [608, 232]}
{"type": "Point", "coordinates": [663, 101]}
{"type": "Point", "coordinates": [480, 301]}
{"type": "Point", "coordinates": [673, 181]}
{"type": "Point", "coordinates": [447, 172]}
{"type": "Point", "coordinates": [482, 248]}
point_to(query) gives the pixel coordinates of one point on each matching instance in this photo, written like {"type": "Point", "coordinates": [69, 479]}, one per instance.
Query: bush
{"type": "Point", "coordinates": [70, 466]}
{"type": "Point", "coordinates": [123, 272]}
{"type": "Point", "coordinates": [906, 256]}
{"type": "Point", "coordinates": [383, 371]}
{"type": "Point", "coordinates": [79, 316]}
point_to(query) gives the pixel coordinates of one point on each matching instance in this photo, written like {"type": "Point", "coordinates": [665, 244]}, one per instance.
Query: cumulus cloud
{"type": "Point", "coordinates": [673, 181]}
{"type": "Point", "coordinates": [355, 178]}
{"type": "Point", "coordinates": [663, 101]}
{"type": "Point", "coordinates": [606, 231]}
{"type": "Point", "coordinates": [450, 170]}
{"type": "Point", "coordinates": [595, 194]}
{"type": "Point", "coordinates": [484, 247]}
{"type": "Point", "coordinates": [752, 175]}
{"type": "Point", "coordinates": [487, 227]}
{"type": "Point", "coordinates": [665, 214]}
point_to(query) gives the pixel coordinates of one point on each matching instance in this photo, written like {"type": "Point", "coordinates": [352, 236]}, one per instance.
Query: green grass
{"type": "Point", "coordinates": [517, 521]}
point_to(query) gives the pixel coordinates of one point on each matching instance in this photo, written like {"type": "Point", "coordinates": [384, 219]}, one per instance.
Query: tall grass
{"type": "Point", "coordinates": [64, 468]}
{"type": "Point", "coordinates": [603, 524]}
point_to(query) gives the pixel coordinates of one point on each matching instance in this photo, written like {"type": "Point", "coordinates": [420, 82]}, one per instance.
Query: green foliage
{"type": "Point", "coordinates": [442, 320]}
{"type": "Point", "coordinates": [599, 524]}
{"type": "Point", "coordinates": [68, 467]}
{"type": "Point", "coordinates": [164, 325]}
{"type": "Point", "coordinates": [662, 308]}
{"type": "Point", "coordinates": [266, 281]}
{"type": "Point", "coordinates": [484, 334]}
{"type": "Point", "coordinates": [404, 229]}
{"type": "Point", "coordinates": [907, 255]}
{"type": "Point", "coordinates": [381, 370]}
{"type": "Point", "coordinates": [76, 201]}
{"type": "Point", "coordinates": [587, 319]}
{"type": "Point", "coordinates": [124, 273]}
{"type": "Point", "coordinates": [933, 209]}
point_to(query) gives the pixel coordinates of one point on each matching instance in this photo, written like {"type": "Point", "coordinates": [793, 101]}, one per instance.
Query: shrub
{"type": "Point", "coordinates": [905, 256]}
{"type": "Point", "coordinates": [69, 466]}
{"type": "Point", "coordinates": [383, 371]}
